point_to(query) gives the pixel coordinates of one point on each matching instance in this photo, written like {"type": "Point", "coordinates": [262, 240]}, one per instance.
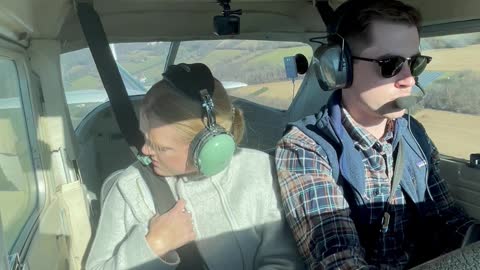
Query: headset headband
{"type": "Point", "coordinates": [207, 104]}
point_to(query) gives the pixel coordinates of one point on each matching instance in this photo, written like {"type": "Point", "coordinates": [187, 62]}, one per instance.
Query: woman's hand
{"type": "Point", "coordinates": [171, 230]}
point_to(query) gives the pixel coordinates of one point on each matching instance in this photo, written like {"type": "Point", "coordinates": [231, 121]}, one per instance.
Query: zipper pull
{"type": "Point", "coordinates": [385, 222]}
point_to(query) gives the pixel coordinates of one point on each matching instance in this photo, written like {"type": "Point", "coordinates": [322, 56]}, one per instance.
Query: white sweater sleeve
{"type": "Point", "coordinates": [277, 249]}
{"type": "Point", "coordinates": [118, 247]}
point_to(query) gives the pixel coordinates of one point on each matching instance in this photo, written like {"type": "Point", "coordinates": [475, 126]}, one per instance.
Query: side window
{"type": "Point", "coordinates": [249, 69]}
{"type": "Point", "coordinates": [18, 188]}
{"type": "Point", "coordinates": [450, 110]}
{"type": "Point", "coordinates": [82, 84]}
{"type": "Point", "coordinates": [140, 65]}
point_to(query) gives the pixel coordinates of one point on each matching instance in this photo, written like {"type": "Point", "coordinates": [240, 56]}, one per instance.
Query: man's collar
{"type": "Point", "coordinates": [361, 135]}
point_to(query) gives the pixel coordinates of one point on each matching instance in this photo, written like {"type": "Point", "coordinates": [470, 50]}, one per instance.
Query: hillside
{"type": "Point", "coordinates": [260, 65]}
{"type": "Point", "coordinates": [463, 58]}
{"type": "Point", "coordinates": [247, 61]}
{"type": "Point", "coordinates": [230, 60]}
{"type": "Point", "coordinates": [450, 108]}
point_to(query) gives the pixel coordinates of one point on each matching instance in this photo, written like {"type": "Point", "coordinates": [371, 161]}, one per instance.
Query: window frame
{"type": "Point", "coordinates": [18, 56]}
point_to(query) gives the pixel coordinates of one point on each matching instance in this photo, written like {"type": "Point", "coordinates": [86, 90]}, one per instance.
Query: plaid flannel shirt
{"type": "Point", "coordinates": [321, 220]}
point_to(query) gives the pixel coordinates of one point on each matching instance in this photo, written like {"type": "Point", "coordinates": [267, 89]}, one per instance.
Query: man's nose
{"type": "Point", "coordinates": [405, 77]}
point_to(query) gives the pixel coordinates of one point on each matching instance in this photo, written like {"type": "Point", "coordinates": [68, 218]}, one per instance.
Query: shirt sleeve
{"type": "Point", "coordinates": [315, 207]}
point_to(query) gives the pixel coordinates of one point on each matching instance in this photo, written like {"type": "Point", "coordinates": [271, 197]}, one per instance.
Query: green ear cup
{"type": "Point", "coordinates": [215, 154]}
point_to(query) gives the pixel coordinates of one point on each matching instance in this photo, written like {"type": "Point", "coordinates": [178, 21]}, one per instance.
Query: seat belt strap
{"type": "Point", "coordinates": [327, 14]}
{"type": "Point", "coordinates": [397, 177]}
{"type": "Point", "coordinates": [110, 75]}
{"type": "Point", "coordinates": [163, 200]}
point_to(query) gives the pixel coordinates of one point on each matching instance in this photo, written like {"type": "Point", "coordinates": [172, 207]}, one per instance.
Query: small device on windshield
{"type": "Point", "coordinates": [290, 67]}
{"type": "Point", "coordinates": [227, 23]}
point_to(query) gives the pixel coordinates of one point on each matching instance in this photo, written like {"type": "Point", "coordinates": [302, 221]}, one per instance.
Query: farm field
{"type": "Point", "coordinates": [452, 133]}
{"type": "Point", "coordinates": [253, 61]}
{"type": "Point", "coordinates": [442, 126]}
{"type": "Point", "coordinates": [275, 94]}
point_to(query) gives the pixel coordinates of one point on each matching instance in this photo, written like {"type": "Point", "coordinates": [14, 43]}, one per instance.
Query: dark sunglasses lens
{"type": "Point", "coordinates": [392, 66]}
{"type": "Point", "coordinates": [418, 65]}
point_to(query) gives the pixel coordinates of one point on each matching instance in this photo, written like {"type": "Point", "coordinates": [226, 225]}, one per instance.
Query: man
{"type": "Point", "coordinates": [337, 169]}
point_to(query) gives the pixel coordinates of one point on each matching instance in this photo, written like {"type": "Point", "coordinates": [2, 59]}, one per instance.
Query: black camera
{"type": "Point", "coordinates": [226, 25]}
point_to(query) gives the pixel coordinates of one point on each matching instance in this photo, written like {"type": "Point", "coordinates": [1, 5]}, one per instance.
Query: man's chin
{"type": "Point", "coordinates": [395, 114]}
{"type": "Point", "coordinates": [391, 111]}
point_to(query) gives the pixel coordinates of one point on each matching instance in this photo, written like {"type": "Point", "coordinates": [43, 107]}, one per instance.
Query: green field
{"type": "Point", "coordinates": [247, 58]}
{"type": "Point", "coordinates": [247, 55]}
{"type": "Point", "coordinates": [456, 59]}
{"type": "Point", "coordinates": [454, 134]}
{"type": "Point", "coordinates": [278, 95]}
{"type": "Point", "coordinates": [250, 60]}
{"type": "Point", "coordinates": [276, 57]}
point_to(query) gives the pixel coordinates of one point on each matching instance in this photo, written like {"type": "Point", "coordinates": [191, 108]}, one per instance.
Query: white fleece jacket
{"type": "Point", "coordinates": [236, 213]}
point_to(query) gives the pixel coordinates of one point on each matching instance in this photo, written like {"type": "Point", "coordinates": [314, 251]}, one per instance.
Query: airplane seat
{"type": "Point", "coordinates": [263, 125]}
{"type": "Point", "coordinates": [103, 149]}
{"type": "Point", "coordinates": [310, 98]}
{"type": "Point", "coordinates": [472, 235]}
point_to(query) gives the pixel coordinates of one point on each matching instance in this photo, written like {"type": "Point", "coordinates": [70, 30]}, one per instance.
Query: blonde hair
{"type": "Point", "coordinates": [169, 105]}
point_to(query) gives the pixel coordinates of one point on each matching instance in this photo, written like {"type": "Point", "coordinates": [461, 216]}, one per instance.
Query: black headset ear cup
{"type": "Point", "coordinates": [333, 62]}
{"type": "Point", "coordinates": [333, 66]}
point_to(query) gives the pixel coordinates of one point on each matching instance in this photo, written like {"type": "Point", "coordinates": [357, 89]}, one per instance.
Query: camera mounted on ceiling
{"type": "Point", "coordinates": [228, 23]}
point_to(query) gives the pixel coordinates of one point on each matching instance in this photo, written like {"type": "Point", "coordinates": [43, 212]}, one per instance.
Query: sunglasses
{"type": "Point", "coordinates": [392, 65]}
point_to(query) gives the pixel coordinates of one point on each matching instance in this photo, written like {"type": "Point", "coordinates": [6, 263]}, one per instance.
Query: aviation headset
{"type": "Point", "coordinates": [212, 149]}
{"type": "Point", "coordinates": [333, 62]}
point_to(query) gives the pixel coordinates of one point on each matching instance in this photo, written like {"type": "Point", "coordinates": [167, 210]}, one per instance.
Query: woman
{"type": "Point", "coordinates": [233, 216]}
